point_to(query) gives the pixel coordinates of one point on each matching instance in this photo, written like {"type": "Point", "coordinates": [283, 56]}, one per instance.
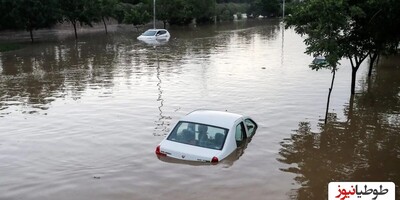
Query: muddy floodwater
{"type": "Point", "coordinates": [81, 120]}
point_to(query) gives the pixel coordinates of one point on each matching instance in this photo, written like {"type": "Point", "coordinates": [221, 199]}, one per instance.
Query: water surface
{"type": "Point", "coordinates": [81, 120]}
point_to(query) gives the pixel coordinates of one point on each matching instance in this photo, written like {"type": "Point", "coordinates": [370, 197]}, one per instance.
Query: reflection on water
{"type": "Point", "coordinates": [282, 25]}
{"type": "Point", "coordinates": [154, 42]}
{"type": "Point", "coordinates": [239, 151]}
{"type": "Point", "coordinates": [363, 147]}
{"type": "Point", "coordinates": [162, 125]}
{"type": "Point", "coordinates": [35, 76]}
{"type": "Point", "coordinates": [32, 79]}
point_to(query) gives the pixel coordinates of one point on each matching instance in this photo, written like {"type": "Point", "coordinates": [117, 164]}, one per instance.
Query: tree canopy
{"type": "Point", "coordinates": [268, 8]}
{"type": "Point", "coordinates": [82, 11]}
{"type": "Point", "coordinates": [137, 15]}
{"type": "Point", "coordinates": [28, 14]}
{"type": "Point", "coordinates": [106, 10]}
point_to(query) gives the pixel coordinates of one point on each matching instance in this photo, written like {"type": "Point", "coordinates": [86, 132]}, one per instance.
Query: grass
{"type": "Point", "coordinates": [10, 47]}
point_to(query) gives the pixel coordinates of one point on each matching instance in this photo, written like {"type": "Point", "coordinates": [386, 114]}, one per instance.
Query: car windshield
{"type": "Point", "coordinates": [201, 135]}
{"type": "Point", "coordinates": [149, 33]}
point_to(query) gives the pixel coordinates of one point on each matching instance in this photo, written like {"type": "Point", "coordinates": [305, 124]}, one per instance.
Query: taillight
{"type": "Point", "coordinates": [214, 159]}
{"type": "Point", "coordinates": [158, 151]}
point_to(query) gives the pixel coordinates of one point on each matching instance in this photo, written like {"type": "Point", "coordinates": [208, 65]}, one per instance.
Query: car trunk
{"type": "Point", "coordinates": [188, 152]}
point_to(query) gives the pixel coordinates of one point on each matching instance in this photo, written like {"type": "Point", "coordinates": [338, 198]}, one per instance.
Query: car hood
{"type": "Point", "coordinates": [188, 152]}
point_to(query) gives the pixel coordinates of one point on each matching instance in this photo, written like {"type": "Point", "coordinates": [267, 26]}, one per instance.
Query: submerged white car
{"type": "Point", "coordinates": [206, 136]}
{"type": "Point", "coordinates": [155, 34]}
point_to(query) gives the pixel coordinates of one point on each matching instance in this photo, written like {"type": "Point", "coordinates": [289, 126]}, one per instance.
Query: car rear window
{"type": "Point", "coordinates": [201, 135]}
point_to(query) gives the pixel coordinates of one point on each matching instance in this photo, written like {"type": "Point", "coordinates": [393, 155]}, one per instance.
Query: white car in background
{"type": "Point", "coordinates": [155, 34]}
{"type": "Point", "coordinates": [206, 136]}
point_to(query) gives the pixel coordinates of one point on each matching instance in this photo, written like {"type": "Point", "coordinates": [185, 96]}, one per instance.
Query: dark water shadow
{"type": "Point", "coordinates": [363, 147]}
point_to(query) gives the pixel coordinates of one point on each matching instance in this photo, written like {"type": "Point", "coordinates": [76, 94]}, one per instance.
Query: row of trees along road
{"type": "Point", "coordinates": [35, 14]}
{"type": "Point", "coordinates": [31, 15]}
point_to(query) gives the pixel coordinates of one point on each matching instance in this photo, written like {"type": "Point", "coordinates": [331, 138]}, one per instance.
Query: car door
{"type": "Point", "coordinates": [251, 127]}
{"type": "Point", "coordinates": [161, 34]}
{"type": "Point", "coordinates": [240, 133]}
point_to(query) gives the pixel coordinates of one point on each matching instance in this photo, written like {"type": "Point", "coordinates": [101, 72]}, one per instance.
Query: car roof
{"type": "Point", "coordinates": [156, 29]}
{"type": "Point", "coordinates": [212, 117]}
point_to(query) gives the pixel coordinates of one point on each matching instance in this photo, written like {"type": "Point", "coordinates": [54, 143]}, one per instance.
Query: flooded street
{"type": "Point", "coordinates": [81, 120]}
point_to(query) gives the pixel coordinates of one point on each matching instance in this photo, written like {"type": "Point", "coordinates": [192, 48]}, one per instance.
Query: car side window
{"type": "Point", "coordinates": [161, 33]}
{"type": "Point", "coordinates": [251, 126]}
{"type": "Point", "coordinates": [240, 133]}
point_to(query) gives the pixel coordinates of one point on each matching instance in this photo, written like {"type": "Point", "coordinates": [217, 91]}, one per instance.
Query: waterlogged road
{"type": "Point", "coordinates": [81, 120]}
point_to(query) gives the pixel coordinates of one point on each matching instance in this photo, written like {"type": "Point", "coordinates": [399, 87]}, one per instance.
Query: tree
{"type": "Point", "coordinates": [120, 10]}
{"type": "Point", "coordinates": [137, 16]}
{"type": "Point", "coordinates": [225, 11]}
{"type": "Point", "coordinates": [264, 7]}
{"type": "Point", "coordinates": [270, 8]}
{"type": "Point", "coordinates": [323, 36]}
{"type": "Point", "coordinates": [164, 10]}
{"type": "Point", "coordinates": [383, 27]}
{"type": "Point", "coordinates": [106, 10]}
{"type": "Point", "coordinates": [174, 11]}
{"type": "Point", "coordinates": [29, 14]}
{"type": "Point", "coordinates": [341, 29]}
{"type": "Point", "coordinates": [82, 11]}
{"type": "Point", "coordinates": [203, 11]}
{"type": "Point", "coordinates": [8, 12]}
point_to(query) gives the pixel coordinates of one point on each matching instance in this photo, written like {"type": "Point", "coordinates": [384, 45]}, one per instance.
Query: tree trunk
{"type": "Point", "coordinates": [30, 31]}
{"type": "Point", "coordinates": [353, 79]}
{"type": "Point", "coordinates": [30, 28]}
{"type": "Point", "coordinates": [76, 35]}
{"type": "Point", "coordinates": [329, 94]}
{"type": "Point", "coordinates": [105, 25]}
{"type": "Point", "coordinates": [354, 68]}
{"type": "Point", "coordinates": [371, 63]}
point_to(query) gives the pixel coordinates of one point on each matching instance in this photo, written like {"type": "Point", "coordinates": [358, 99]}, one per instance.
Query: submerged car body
{"type": "Point", "coordinates": [155, 34]}
{"type": "Point", "coordinates": [206, 136]}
